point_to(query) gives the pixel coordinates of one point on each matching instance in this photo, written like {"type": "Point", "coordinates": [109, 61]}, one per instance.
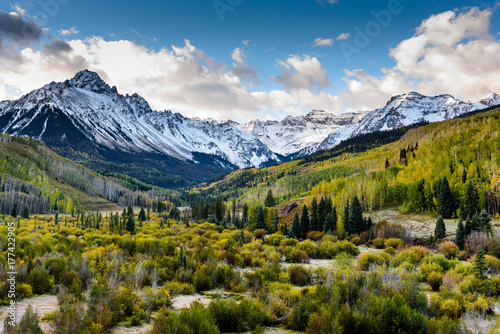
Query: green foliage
{"type": "Point", "coordinates": [445, 199]}
{"type": "Point", "coordinates": [269, 202]}
{"type": "Point", "coordinates": [305, 223]}
{"type": "Point", "coordinates": [440, 230]}
{"type": "Point", "coordinates": [460, 235]}
{"type": "Point", "coordinates": [480, 265]}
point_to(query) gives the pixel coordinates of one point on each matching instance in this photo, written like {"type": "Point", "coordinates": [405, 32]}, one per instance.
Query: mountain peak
{"type": "Point", "coordinates": [92, 82]}
{"type": "Point", "coordinates": [491, 99]}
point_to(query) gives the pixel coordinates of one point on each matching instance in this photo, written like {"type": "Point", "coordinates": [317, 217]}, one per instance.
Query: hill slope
{"type": "Point", "coordinates": [463, 149]}
{"type": "Point", "coordinates": [34, 176]}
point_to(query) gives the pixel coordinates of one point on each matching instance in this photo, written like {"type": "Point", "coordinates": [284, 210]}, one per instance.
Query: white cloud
{"type": "Point", "coordinates": [245, 42]}
{"type": "Point", "coordinates": [68, 32]}
{"type": "Point", "coordinates": [452, 52]}
{"type": "Point", "coordinates": [19, 10]}
{"type": "Point", "coordinates": [343, 36]}
{"type": "Point", "coordinates": [239, 56]}
{"type": "Point", "coordinates": [302, 73]}
{"type": "Point", "coordinates": [323, 42]}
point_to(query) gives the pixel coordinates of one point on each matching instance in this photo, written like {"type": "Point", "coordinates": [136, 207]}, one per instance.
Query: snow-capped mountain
{"type": "Point", "coordinates": [86, 114]}
{"type": "Point", "coordinates": [85, 111]}
{"type": "Point", "coordinates": [403, 110]}
{"type": "Point", "coordinates": [294, 134]}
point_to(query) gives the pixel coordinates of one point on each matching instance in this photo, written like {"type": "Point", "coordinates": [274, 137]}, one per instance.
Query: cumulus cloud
{"type": "Point", "coordinates": [452, 52]}
{"type": "Point", "coordinates": [302, 73]}
{"type": "Point", "coordinates": [14, 28]}
{"type": "Point", "coordinates": [69, 32]}
{"type": "Point", "coordinates": [323, 42]}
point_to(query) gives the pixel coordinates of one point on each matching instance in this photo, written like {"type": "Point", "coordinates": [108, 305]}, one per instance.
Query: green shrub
{"type": "Point", "coordinates": [295, 255]}
{"type": "Point", "coordinates": [231, 316]}
{"type": "Point", "coordinates": [443, 325]}
{"type": "Point", "coordinates": [378, 242]}
{"type": "Point", "coordinates": [394, 242]}
{"type": "Point", "coordinates": [435, 280]}
{"type": "Point", "coordinates": [368, 259]}
{"type": "Point", "coordinates": [299, 275]}
{"type": "Point", "coordinates": [308, 247]}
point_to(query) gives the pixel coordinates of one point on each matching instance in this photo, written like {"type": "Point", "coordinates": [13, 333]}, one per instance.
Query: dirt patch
{"type": "Point", "coordinates": [41, 304]}
{"type": "Point", "coordinates": [132, 330]}
{"type": "Point", "coordinates": [419, 225]}
{"type": "Point", "coordinates": [181, 302]}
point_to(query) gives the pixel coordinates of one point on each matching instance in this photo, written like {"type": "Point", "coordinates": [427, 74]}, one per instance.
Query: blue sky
{"type": "Point", "coordinates": [259, 58]}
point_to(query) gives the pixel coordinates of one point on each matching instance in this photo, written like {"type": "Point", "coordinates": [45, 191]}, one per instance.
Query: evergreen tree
{"type": "Point", "coordinates": [464, 176]}
{"type": "Point", "coordinates": [468, 226]}
{"type": "Point", "coordinates": [219, 209]}
{"type": "Point", "coordinates": [485, 222]}
{"type": "Point", "coordinates": [335, 217]}
{"type": "Point", "coordinates": [314, 218]}
{"type": "Point", "coordinates": [30, 322]}
{"type": "Point", "coordinates": [269, 202]}
{"type": "Point", "coordinates": [470, 201]}
{"type": "Point", "coordinates": [440, 230]}
{"type": "Point", "coordinates": [25, 213]}
{"type": "Point", "coordinates": [295, 231]}
{"type": "Point", "coordinates": [260, 219]}
{"type": "Point", "coordinates": [244, 217]}
{"type": "Point", "coordinates": [387, 164]}
{"type": "Point", "coordinates": [56, 219]}
{"type": "Point", "coordinates": [13, 212]}
{"type": "Point", "coordinates": [329, 226]}
{"type": "Point", "coordinates": [274, 220]}
{"type": "Point", "coordinates": [182, 258]}
{"type": "Point", "coordinates": [305, 224]}
{"type": "Point", "coordinates": [347, 221]}
{"type": "Point", "coordinates": [142, 215]}
{"type": "Point", "coordinates": [460, 235]}
{"type": "Point", "coordinates": [131, 220]}
{"type": "Point", "coordinates": [322, 212]}
{"type": "Point", "coordinates": [228, 216]}
{"type": "Point", "coordinates": [445, 199]}
{"type": "Point", "coordinates": [476, 224]}
{"type": "Point", "coordinates": [480, 264]}
{"type": "Point", "coordinates": [356, 217]}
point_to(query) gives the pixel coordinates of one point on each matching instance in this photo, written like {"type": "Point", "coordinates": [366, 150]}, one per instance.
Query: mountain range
{"type": "Point", "coordinates": [84, 114]}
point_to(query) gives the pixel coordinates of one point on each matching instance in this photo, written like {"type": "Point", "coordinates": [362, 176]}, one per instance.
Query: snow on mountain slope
{"type": "Point", "coordinates": [86, 109]}
{"type": "Point", "coordinates": [294, 134]}
{"type": "Point", "coordinates": [407, 109]}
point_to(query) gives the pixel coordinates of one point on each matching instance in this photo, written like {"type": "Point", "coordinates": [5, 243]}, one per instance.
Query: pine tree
{"type": "Point", "coordinates": [476, 225]}
{"type": "Point", "coordinates": [468, 226]}
{"type": "Point", "coordinates": [445, 199]}
{"type": "Point", "coordinates": [182, 258]}
{"type": "Point", "coordinates": [387, 164]}
{"type": "Point", "coordinates": [142, 215]}
{"type": "Point", "coordinates": [274, 220]}
{"type": "Point", "coordinates": [470, 201]}
{"type": "Point", "coordinates": [322, 212]}
{"type": "Point", "coordinates": [25, 213]}
{"type": "Point", "coordinates": [356, 216]}
{"type": "Point", "coordinates": [56, 219]}
{"type": "Point", "coordinates": [30, 322]}
{"type": "Point", "coordinates": [372, 234]}
{"type": "Point", "coordinates": [347, 221]}
{"type": "Point", "coordinates": [464, 176]}
{"type": "Point", "coordinates": [480, 264]}
{"type": "Point", "coordinates": [485, 221]}
{"type": "Point", "coordinates": [295, 230]}
{"type": "Point", "coordinates": [269, 202]}
{"type": "Point", "coordinates": [440, 230]}
{"type": "Point", "coordinates": [260, 220]}
{"type": "Point", "coordinates": [329, 226]}
{"type": "Point", "coordinates": [244, 217]}
{"type": "Point", "coordinates": [131, 220]}
{"type": "Point", "coordinates": [314, 216]}
{"type": "Point", "coordinates": [305, 224]}
{"type": "Point", "coordinates": [460, 235]}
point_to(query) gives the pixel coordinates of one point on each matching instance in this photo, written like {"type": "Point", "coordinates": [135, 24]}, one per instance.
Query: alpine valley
{"type": "Point", "coordinates": [86, 120]}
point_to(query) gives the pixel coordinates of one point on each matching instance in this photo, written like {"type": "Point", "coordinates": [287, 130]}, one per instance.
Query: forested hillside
{"type": "Point", "coordinates": [405, 173]}
{"type": "Point", "coordinates": [33, 176]}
